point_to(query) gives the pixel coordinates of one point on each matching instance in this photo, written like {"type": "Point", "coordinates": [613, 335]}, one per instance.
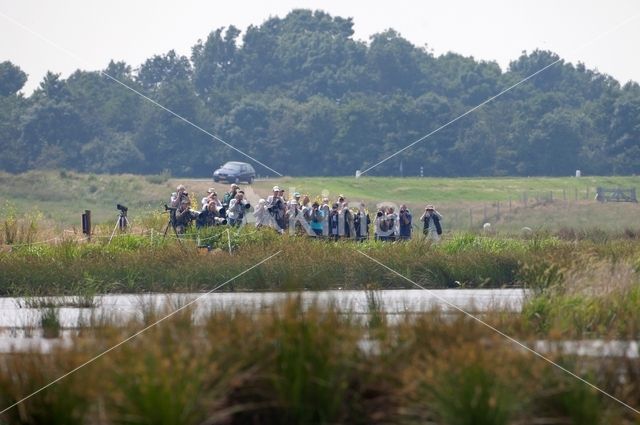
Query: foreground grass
{"type": "Point", "coordinates": [313, 366]}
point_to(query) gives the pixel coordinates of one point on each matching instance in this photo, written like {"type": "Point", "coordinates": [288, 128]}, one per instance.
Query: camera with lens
{"type": "Point", "coordinates": [379, 214]}
{"type": "Point", "coordinates": [220, 221]}
{"type": "Point", "coordinates": [276, 206]}
{"type": "Point", "coordinates": [122, 208]}
{"type": "Point", "coordinates": [168, 208]}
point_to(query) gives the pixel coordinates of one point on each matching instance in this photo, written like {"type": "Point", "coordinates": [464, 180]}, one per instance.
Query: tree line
{"type": "Point", "coordinates": [301, 95]}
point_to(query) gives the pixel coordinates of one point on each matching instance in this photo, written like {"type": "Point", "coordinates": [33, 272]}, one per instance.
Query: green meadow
{"type": "Point", "coordinates": [508, 204]}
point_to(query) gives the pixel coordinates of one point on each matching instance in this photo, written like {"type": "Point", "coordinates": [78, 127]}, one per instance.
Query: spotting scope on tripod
{"type": "Point", "coordinates": [122, 222]}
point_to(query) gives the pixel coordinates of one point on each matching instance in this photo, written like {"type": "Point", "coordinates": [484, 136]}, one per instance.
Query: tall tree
{"type": "Point", "coordinates": [12, 78]}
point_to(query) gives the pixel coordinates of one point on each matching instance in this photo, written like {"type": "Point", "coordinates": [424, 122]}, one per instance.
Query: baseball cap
{"type": "Point", "coordinates": [276, 189]}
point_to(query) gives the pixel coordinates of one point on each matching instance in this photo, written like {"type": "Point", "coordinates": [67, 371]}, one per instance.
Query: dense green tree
{"type": "Point", "coordinates": [299, 94]}
{"type": "Point", "coordinates": [215, 61]}
{"type": "Point", "coordinates": [624, 148]}
{"type": "Point", "coordinates": [162, 69]}
{"type": "Point", "coordinates": [12, 78]}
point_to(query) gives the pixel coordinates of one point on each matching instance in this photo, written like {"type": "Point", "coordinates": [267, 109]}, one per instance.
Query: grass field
{"type": "Point", "coordinates": [448, 190]}
{"type": "Point", "coordinates": [507, 203]}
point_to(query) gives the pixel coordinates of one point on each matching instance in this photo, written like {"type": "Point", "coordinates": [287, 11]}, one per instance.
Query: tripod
{"type": "Point", "coordinates": [171, 222]}
{"type": "Point", "coordinates": [121, 222]}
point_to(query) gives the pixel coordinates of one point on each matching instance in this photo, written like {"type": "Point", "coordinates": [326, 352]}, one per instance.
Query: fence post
{"type": "Point", "coordinates": [498, 211]}
{"type": "Point", "coordinates": [86, 224]}
{"type": "Point", "coordinates": [470, 218]}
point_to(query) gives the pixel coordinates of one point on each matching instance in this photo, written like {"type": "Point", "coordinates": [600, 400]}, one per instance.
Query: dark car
{"type": "Point", "coordinates": [235, 172]}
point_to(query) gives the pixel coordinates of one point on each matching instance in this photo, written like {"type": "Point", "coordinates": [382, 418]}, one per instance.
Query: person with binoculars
{"type": "Point", "coordinates": [237, 207]}
{"type": "Point", "coordinates": [431, 221]}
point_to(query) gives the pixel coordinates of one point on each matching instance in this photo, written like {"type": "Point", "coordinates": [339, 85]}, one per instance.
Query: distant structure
{"type": "Point", "coordinates": [616, 195]}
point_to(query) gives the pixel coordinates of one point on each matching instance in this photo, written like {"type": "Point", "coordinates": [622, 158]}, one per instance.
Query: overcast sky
{"type": "Point", "coordinates": [134, 30]}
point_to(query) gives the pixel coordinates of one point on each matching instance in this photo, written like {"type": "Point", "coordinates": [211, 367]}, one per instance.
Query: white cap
{"type": "Point", "coordinates": [276, 189]}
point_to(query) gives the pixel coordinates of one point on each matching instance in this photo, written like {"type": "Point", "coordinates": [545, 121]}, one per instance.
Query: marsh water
{"type": "Point", "coordinates": [20, 312]}
{"type": "Point", "coordinates": [20, 328]}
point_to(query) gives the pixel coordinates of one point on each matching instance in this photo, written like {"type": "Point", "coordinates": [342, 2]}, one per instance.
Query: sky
{"type": "Point", "coordinates": [86, 34]}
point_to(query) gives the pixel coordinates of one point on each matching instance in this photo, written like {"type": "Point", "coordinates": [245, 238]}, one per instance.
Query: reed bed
{"type": "Point", "coordinates": [138, 263]}
{"type": "Point", "coordinates": [311, 365]}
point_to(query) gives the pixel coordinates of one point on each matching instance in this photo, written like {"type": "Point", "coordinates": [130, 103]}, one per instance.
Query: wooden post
{"type": "Point", "coordinates": [470, 218]}
{"type": "Point", "coordinates": [498, 211]}
{"type": "Point", "coordinates": [86, 224]}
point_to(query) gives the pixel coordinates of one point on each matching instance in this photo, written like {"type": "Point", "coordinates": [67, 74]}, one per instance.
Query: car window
{"type": "Point", "coordinates": [234, 167]}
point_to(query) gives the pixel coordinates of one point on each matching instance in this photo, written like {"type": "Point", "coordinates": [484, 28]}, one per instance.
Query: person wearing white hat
{"type": "Point", "coordinates": [206, 199]}
{"type": "Point", "coordinates": [432, 228]}
{"type": "Point", "coordinates": [261, 214]}
{"type": "Point", "coordinates": [233, 189]}
{"type": "Point", "coordinates": [276, 207]}
{"type": "Point", "coordinates": [181, 194]}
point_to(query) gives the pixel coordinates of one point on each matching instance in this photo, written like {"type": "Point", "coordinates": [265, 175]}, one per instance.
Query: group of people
{"type": "Point", "coordinates": [299, 215]}
{"type": "Point", "coordinates": [230, 210]}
